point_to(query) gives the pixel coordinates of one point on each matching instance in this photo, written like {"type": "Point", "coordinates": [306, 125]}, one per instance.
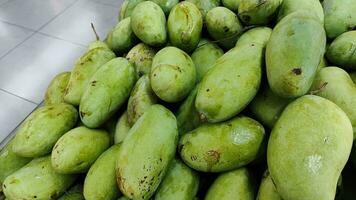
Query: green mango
{"type": "Point", "coordinates": [127, 8]}
{"type": "Point", "coordinates": [185, 24]}
{"type": "Point", "coordinates": [56, 89]}
{"type": "Point", "coordinates": [341, 51]}
{"type": "Point", "coordinates": [205, 5]}
{"type": "Point", "coordinates": [335, 84]}
{"type": "Point", "coordinates": [148, 22]}
{"type": "Point", "coordinates": [41, 130]}
{"type": "Point", "coordinates": [256, 12]}
{"type": "Point", "coordinates": [37, 180]}
{"type": "Point", "coordinates": [140, 170]}
{"type": "Point", "coordinates": [258, 35]}
{"type": "Point", "coordinates": [74, 193]}
{"type": "Point", "coordinates": [224, 26]}
{"type": "Point", "coordinates": [291, 75]}
{"type": "Point", "coordinates": [121, 38]}
{"type": "Point", "coordinates": [108, 89]}
{"type": "Point", "coordinates": [166, 5]}
{"type": "Point", "coordinates": [122, 128]}
{"type": "Point", "coordinates": [142, 98]}
{"type": "Point", "coordinates": [173, 74]}
{"type": "Point", "coordinates": [10, 162]}
{"type": "Point", "coordinates": [204, 57]}
{"type": "Point", "coordinates": [235, 185]}
{"type": "Point", "coordinates": [100, 182]}
{"type": "Point", "coordinates": [323, 63]}
{"type": "Point", "coordinates": [141, 56]}
{"type": "Point", "coordinates": [123, 198]}
{"type": "Point", "coordinates": [353, 76]}
{"type": "Point", "coordinates": [180, 182]}
{"type": "Point", "coordinates": [308, 147]}
{"type": "Point", "coordinates": [97, 44]}
{"type": "Point", "coordinates": [312, 6]}
{"type": "Point", "coordinates": [267, 190]}
{"type": "Point", "coordinates": [340, 16]}
{"type": "Point", "coordinates": [222, 146]}
{"type": "Point", "coordinates": [78, 149]}
{"type": "Point", "coordinates": [231, 4]}
{"type": "Point", "coordinates": [83, 70]}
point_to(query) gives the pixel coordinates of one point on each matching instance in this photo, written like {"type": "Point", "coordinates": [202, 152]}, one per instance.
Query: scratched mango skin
{"type": "Point", "coordinates": [312, 6]}
{"type": "Point", "coordinates": [237, 185]}
{"type": "Point", "coordinates": [166, 5]}
{"type": "Point", "coordinates": [231, 4]}
{"type": "Point", "coordinates": [108, 89]}
{"type": "Point", "coordinates": [222, 146]}
{"type": "Point", "coordinates": [141, 56]}
{"type": "Point", "coordinates": [37, 180]}
{"type": "Point", "coordinates": [140, 170]}
{"type": "Point", "coordinates": [148, 22]}
{"type": "Point", "coordinates": [56, 89]}
{"type": "Point", "coordinates": [255, 12]}
{"type": "Point", "coordinates": [100, 181]}
{"type": "Point", "coordinates": [122, 128]}
{"type": "Point", "coordinates": [74, 193]}
{"type": "Point", "coordinates": [258, 35]}
{"type": "Point", "coordinates": [185, 23]}
{"type": "Point", "coordinates": [267, 190]}
{"type": "Point", "coordinates": [41, 130]}
{"type": "Point", "coordinates": [180, 182]}
{"type": "Point", "coordinates": [341, 51]}
{"type": "Point", "coordinates": [127, 8]}
{"type": "Point", "coordinates": [78, 149]}
{"type": "Point", "coordinates": [320, 134]}
{"type": "Point", "coordinates": [173, 74]}
{"type": "Point", "coordinates": [291, 75]}
{"type": "Point", "coordinates": [205, 5]}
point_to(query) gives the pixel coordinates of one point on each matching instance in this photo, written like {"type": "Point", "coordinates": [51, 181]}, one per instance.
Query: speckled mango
{"type": "Point", "coordinates": [291, 75]}
{"type": "Point", "coordinates": [258, 12]}
{"type": "Point", "coordinates": [180, 183]}
{"type": "Point", "coordinates": [308, 147]}
{"type": "Point", "coordinates": [341, 51]}
{"type": "Point", "coordinates": [205, 5]}
{"type": "Point", "coordinates": [166, 5]}
{"type": "Point", "coordinates": [141, 56]}
{"type": "Point", "coordinates": [222, 146]}
{"type": "Point", "coordinates": [56, 89]}
{"type": "Point", "coordinates": [100, 181]}
{"type": "Point", "coordinates": [267, 190]}
{"type": "Point", "coordinates": [259, 35]}
{"type": "Point", "coordinates": [127, 8]}
{"type": "Point", "coordinates": [140, 170]}
{"type": "Point", "coordinates": [37, 180]}
{"type": "Point", "coordinates": [78, 149]}
{"type": "Point", "coordinates": [122, 128]}
{"type": "Point", "coordinates": [173, 74]}
{"type": "Point", "coordinates": [108, 89]}
{"type": "Point", "coordinates": [231, 4]}
{"type": "Point", "coordinates": [74, 193]}
{"type": "Point", "coordinates": [148, 22]}
{"type": "Point", "coordinates": [40, 131]}
{"type": "Point", "coordinates": [235, 185]}
{"type": "Point", "coordinates": [312, 6]}
{"type": "Point", "coordinates": [185, 24]}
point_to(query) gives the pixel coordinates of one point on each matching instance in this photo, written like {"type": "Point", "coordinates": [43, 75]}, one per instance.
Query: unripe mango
{"type": "Point", "coordinates": [259, 35]}
{"type": "Point", "coordinates": [231, 4]}
{"type": "Point", "coordinates": [166, 5]}
{"type": "Point", "coordinates": [341, 51]}
{"type": "Point", "coordinates": [56, 89]}
{"type": "Point", "coordinates": [122, 128]}
{"type": "Point", "coordinates": [353, 76]}
{"type": "Point", "coordinates": [127, 8]}
{"type": "Point", "coordinates": [205, 5]}
{"type": "Point", "coordinates": [74, 193]}
{"type": "Point", "coordinates": [267, 189]}
{"type": "Point", "coordinates": [258, 12]}
{"type": "Point", "coordinates": [312, 6]}
{"type": "Point", "coordinates": [141, 56]}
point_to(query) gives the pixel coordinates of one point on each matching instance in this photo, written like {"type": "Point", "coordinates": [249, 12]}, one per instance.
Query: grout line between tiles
{"type": "Point", "coordinates": [58, 38]}
{"type": "Point", "coordinates": [19, 96]}
{"type": "Point", "coordinates": [6, 22]}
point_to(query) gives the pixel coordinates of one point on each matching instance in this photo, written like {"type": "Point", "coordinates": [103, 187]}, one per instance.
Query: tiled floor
{"type": "Point", "coordinates": [38, 39]}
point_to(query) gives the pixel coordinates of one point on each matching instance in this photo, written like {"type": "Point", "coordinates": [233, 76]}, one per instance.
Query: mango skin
{"type": "Point", "coordinates": [41, 130]}
{"type": "Point", "coordinates": [141, 56]}
{"type": "Point", "coordinates": [205, 5]}
{"type": "Point", "coordinates": [108, 89]}
{"type": "Point", "coordinates": [320, 146]}
{"type": "Point", "coordinates": [291, 75]}
{"type": "Point", "coordinates": [97, 44]}
{"type": "Point", "coordinates": [341, 51]}
{"type": "Point", "coordinates": [185, 24]}
{"type": "Point", "coordinates": [140, 170]}
{"type": "Point", "coordinates": [222, 146]}
{"type": "Point", "coordinates": [74, 193]}
{"type": "Point", "coordinates": [205, 56]}
{"type": "Point", "coordinates": [258, 12]}
{"type": "Point", "coordinates": [259, 35]}
{"type": "Point", "coordinates": [78, 149]}
{"type": "Point", "coordinates": [122, 128]}
{"type": "Point", "coordinates": [353, 76]}
{"type": "Point", "coordinates": [180, 182]}
{"type": "Point", "coordinates": [37, 180]}
{"type": "Point", "coordinates": [166, 5]}
{"type": "Point", "coordinates": [56, 89]}
{"type": "Point", "coordinates": [127, 8]}
{"type": "Point", "coordinates": [231, 4]}
{"type": "Point", "coordinates": [142, 98]}
{"type": "Point", "coordinates": [148, 22]}
{"type": "Point", "coordinates": [83, 70]}
{"type": "Point", "coordinates": [100, 182]}
{"type": "Point", "coordinates": [235, 185]}
{"type": "Point", "coordinates": [173, 74]}
{"type": "Point", "coordinates": [267, 190]}
{"type": "Point", "coordinates": [340, 16]}
{"type": "Point", "coordinates": [312, 6]}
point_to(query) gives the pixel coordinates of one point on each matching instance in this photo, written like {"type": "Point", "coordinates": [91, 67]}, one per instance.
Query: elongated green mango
{"type": "Point", "coordinates": [258, 12]}
{"type": "Point", "coordinates": [127, 8]}
{"type": "Point", "coordinates": [100, 182]}
{"type": "Point", "coordinates": [312, 6]}
{"type": "Point", "coordinates": [185, 24]}
{"type": "Point", "coordinates": [235, 185]}
{"type": "Point", "coordinates": [140, 170]}
{"type": "Point", "coordinates": [173, 74]}
{"type": "Point", "coordinates": [141, 57]}
{"type": "Point", "coordinates": [180, 182]}
{"type": "Point", "coordinates": [37, 180]}
{"type": "Point", "coordinates": [259, 35]}
{"type": "Point", "coordinates": [123, 198]}
{"type": "Point", "coordinates": [222, 146]}
{"type": "Point", "coordinates": [74, 193]}
{"type": "Point", "coordinates": [231, 4]}
{"type": "Point", "coordinates": [205, 56]}
{"type": "Point", "coordinates": [56, 89]}
{"type": "Point", "coordinates": [41, 130]}
{"type": "Point", "coordinates": [78, 149]}
{"type": "Point", "coordinates": [166, 5]}
{"type": "Point", "coordinates": [353, 76]}
{"type": "Point", "coordinates": [148, 22]}
{"type": "Point", "coordinates": [342, 50]}
{"type": "Point", "coordinates": [205, 5]}
{"type": "Point", "coordinates": [108, 89]}
{"type": "Point", "coordinates": [267, 190]}
{"type": "Point", "coordinates": [323, 63]}
{"type": "Point", "coordinates": [320, 136]}
{"type": "Point", "coordinates": [122, 128]}
{"type": "Point", "coordinates": [291, 75]}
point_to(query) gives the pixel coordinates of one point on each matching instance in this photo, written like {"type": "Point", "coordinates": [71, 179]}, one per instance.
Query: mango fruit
{"type": "Point", "coordinates": [127, 8]}
{"type": "Point", "coordinates": [353, 76]}
{"type": "Point", "coordinates": [341, 51]}
{"type": "Point", "coordinates": [74, 193]}
{"type": "Point", "coordinates": [259, 35]}
{"type": "Point", "coordinates": [140, 170]}
{"type": "Point", "coordinates": [56, 89]}
{"type": "Point", "coordinates": [141, 56]}
{"type": "Point", "coordinates": [258, 12]}
{"type": "Point", "coordinates": [122, 128]}
{"type": "Point", "coordinates": [267, 190]}
{"type": "Point", "coordinates": [312, 6]}
{"type": "Point", "coordinates": [231, 4]}
{"type": "Point", "coordinates": [166, 5]}
{"type": "Point", "coordinates": [97, 43]}
{"type": "Point", "coordinates": [205, 5]}
{"type": "Point", "coordinates": [320, 134]}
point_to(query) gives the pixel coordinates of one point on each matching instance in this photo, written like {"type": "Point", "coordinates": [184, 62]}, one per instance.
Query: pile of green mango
{"type": "Point", "coordinates": [199, 99]}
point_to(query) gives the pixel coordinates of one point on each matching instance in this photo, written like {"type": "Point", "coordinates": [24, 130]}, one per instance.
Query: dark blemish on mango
{"type": "Point", "coordinates": [215, 155]}
{"type": "Point", "coordinates": [93, 83]}
{"type": "Point", "coordinates": [290, 33]}
{"type": "Point", "coordinates": [246, 18]}
{"type": "Point", "coordinates": [193, 158]}
{"type": "Point", "coordinates": [226, 29]}
{"type": "Point", "coordinates": [207, 90]}
{"type": "Point", "coordinates": [297, 71]}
